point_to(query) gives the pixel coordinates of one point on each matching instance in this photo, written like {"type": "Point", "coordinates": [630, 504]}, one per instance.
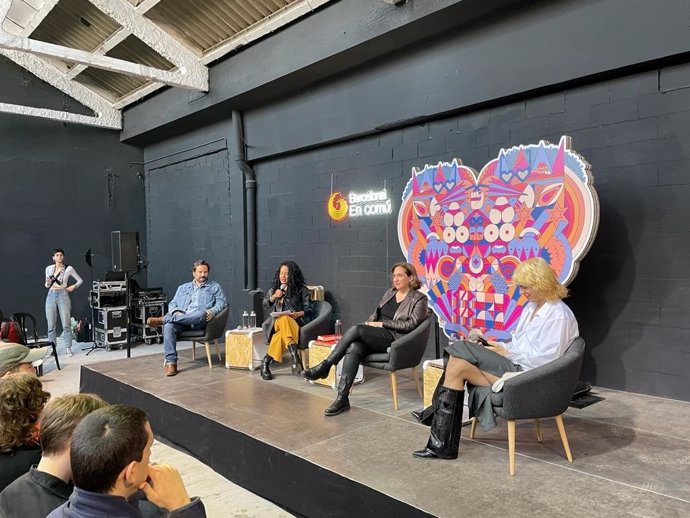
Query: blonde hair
{"type": "Point", "coordinates": [535, 273]}
{"type": "Point", "coordinates": [61, 416]}
{"type": "Point", "coordinates": [411, 272]}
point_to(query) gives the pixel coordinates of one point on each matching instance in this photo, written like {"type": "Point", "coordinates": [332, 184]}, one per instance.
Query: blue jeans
{"type": "Point", "coordinates": [174, 325]}
{"type": "Point", "coordinates": [58, 301]}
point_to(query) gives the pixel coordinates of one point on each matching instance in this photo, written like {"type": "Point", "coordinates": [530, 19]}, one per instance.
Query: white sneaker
{"type": "Point", "coordinates": [69, 352]}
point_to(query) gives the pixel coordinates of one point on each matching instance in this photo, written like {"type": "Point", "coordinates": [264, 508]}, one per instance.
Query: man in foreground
{"type": "Point", "coordinates": [110, 457]}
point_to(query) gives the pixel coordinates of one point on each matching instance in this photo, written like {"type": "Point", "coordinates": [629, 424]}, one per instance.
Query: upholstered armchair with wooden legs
{"type": "Point", "coordinates": [538, 393]}
{"type": "Point", "coordinates": [404, 353]}
{"type": "Point", "coordinates": [320, 325]}
{"type": "Point", "coordinates": [211, 333]}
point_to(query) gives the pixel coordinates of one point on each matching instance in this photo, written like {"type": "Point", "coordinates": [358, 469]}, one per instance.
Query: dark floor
{"type": "Point", "coordinates": [631, 452]}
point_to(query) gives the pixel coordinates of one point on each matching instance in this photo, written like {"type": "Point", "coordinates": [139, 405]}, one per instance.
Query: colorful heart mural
{"type": "Point", "coordinates": [465, 232]}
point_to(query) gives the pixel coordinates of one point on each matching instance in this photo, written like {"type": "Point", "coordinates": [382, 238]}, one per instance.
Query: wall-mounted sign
{"type": "Point", "coordinates": [357, 205]}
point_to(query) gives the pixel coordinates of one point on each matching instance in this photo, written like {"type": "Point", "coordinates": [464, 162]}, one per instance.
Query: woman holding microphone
{"type": "Point", "coordinates": [289, 302]}
{"type": "Point", "coordinates": [57, 300]}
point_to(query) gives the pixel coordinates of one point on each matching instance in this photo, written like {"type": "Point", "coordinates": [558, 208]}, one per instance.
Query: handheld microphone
{"type": "Point", "coordinates": [476, 337]}
{"type": "Point", "coordinates": [283, 288]}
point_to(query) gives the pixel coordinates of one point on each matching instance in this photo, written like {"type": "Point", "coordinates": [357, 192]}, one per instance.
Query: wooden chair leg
{"type": "Point", "coordinates": [193, 350]}
{"type": "Point", "coordinates": [304, 354]}
{"type": "Point", "coordinates": [416, 380]}
{"type": "Point", "coordinates": [511, 446]}
{"type": "Point", "coordinates": [564, 437]}
{"type": "Point", "coordinates": [537, 425]}
{"type": "Point", "coordinates": [207, 345]}
{"type": "Point", "coordinates": [473, 427]}
{"type": "Point", "coordinates": [394, 389]}
{"type": "Point", "coordinates": [218, 350]}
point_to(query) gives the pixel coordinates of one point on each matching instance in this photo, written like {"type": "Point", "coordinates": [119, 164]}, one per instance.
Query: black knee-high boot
{"type": "Point", "coordinates": [444, 440]}
{"type": "Point", "coordinates": [425, 415]}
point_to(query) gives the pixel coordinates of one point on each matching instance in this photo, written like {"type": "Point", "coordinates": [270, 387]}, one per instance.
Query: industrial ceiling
{"type": "Point", "coordinates": [107, 54]}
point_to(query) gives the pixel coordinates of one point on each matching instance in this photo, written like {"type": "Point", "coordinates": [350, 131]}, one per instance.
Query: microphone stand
{"type": "Point", "coordinates": [88, 258]}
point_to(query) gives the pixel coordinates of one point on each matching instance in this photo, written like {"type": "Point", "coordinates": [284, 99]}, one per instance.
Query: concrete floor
{"type": "Point", "coordinates": [221, 497]}
{"type": "Point", "coordinates": [631, 451]}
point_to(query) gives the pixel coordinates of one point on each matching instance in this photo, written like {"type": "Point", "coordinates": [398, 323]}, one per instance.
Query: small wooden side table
{"type": "Point", "coordinates": [244, 348]}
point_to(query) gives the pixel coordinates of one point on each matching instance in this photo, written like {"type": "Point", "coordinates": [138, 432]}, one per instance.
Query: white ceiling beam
{"type": "Point", "coordinates": [41, 48]}
{"type": "Point", "coordinates": [188, 64]}
{"type": "Point", "coordinates": [105, 115]}
{"type": "Point", "coordinates": [61, 116]}
{"type": "Point", "coordinates": [118, 37]}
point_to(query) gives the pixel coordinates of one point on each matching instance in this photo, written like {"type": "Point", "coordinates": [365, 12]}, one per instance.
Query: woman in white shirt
{"type": "Point", "coordinates": [544, 331]}
{"type": "Point", "coordinates": [58, 301]}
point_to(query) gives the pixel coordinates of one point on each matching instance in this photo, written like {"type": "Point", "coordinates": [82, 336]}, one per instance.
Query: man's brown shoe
{"type": "Point", "coordinates": [154, 321]}
{"type": "Point", "coordinates": [170, 369]}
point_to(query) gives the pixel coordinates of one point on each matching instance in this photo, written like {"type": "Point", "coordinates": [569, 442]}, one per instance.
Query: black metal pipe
{"type": "Point", "coordinates": [250, 201]}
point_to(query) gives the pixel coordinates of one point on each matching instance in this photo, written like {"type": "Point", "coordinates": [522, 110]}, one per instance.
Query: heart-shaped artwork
{"type": "Point", "coordinates": [466, 238]}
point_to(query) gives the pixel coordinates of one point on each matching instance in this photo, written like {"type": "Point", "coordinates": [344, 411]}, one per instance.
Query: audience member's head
{"type": "Point", "coordinates": [110, 450]}
{"type": "Point", "coordinates": [61, 416]}
{"type": "Point", "coordinates": [22, 399]}
{"type": "Point", "coordinates": [18, 358]}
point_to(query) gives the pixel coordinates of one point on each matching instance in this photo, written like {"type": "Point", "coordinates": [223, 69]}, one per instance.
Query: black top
{"type": "Point", "coordinates": [33, 494]}
{"type": "Point", "coordinates": [389, 308]}
{"type": "Point", "coordinates": [14, 464]}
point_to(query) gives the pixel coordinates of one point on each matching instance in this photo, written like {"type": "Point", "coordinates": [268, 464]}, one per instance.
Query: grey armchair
{"type": "Point", "coordinates": [538, 393]}
{"type": "Point", "coordinates": [211, 333]}
{"type": "Point", "coordinates": [319, 326]}
{"type": "Point", "coordinates": [404, 353]}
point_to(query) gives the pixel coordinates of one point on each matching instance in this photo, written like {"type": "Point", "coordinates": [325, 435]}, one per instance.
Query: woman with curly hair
{"type": "Point", "coordinates": [22, 399]}
{"type": "Point", "coordinates": [288, 295]}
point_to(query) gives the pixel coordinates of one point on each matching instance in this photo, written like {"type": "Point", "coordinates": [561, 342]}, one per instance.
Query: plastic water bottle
{"type": "Point", "coordinates": [252, 320]}
{"type": "Point", "coordinates": [245, 320]}
{"type": "Point", "coordinates": [338, 327]}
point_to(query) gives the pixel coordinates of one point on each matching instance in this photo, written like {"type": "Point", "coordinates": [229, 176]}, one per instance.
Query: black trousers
{"type": "Point", "coordinates": [357, 342]}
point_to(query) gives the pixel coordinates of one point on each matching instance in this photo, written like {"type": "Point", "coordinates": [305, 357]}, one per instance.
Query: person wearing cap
{"type": "Point", "coordinates": [18, 358]}
{"type": "Point", "coordinates": [22, 399]}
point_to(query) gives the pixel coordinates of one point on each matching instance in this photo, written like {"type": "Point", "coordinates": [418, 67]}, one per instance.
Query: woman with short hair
{"type": "Point", "coordinates": [543, 333]}
{"type": "Point", "coordinates": [57, 299]}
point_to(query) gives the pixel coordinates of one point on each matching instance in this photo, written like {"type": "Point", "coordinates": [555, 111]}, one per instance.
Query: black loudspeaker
{"type": "Point", "coordinates": [125, 250]}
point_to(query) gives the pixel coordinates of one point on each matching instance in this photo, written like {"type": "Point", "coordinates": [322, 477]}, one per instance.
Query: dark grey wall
{"type": "Point", "coordinates": [612, 74]}
{"type": "Point", "coordinates": [190, 182]}
{"type": "Point", "coordinates": [63, 186]}
{"type": "Point", "coordinates": [631, 295]}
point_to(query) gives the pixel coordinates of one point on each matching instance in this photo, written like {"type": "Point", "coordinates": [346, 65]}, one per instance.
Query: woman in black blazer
{"type": "Point", "coordinates": [288, 294]}
{"type": "Point", "coordinates": [401, 310]}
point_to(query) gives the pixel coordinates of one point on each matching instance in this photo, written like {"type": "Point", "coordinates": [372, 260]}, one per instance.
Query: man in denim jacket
{"type": "Point", "coordinates": [194, 304]}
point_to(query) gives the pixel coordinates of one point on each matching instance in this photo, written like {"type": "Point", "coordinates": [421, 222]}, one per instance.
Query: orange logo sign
{"type": "Point", "coordinates": [337, 207]}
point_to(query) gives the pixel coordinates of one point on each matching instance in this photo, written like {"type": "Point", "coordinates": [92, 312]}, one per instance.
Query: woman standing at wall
{"type": "Point", "coordinates": [58, 301]}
